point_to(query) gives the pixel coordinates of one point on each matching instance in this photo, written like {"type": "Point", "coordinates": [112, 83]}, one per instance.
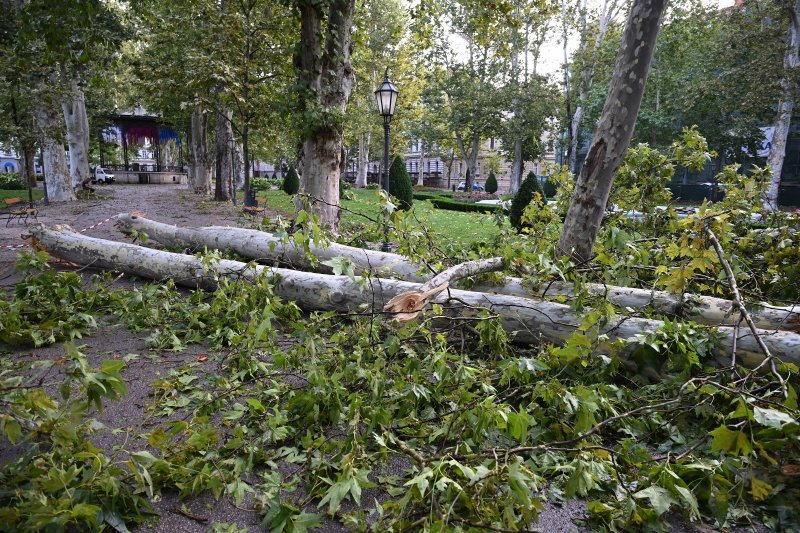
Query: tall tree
{"type": "Point", "coordinates": [217, 59]}
{"type": "Point", "coordinates": [791, 61]}
{"type": "Point", "coordinates": [325, 77]}
{"type": "Point", "coordinates": [614, 131]}
{"type": "Point", "coordinates": [592, 36]}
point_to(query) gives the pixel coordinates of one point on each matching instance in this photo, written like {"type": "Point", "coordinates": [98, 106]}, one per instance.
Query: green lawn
{"type": "Point", "coordinates": [457, 228]}
{"type": "Point", "coordinates": [8, 193]}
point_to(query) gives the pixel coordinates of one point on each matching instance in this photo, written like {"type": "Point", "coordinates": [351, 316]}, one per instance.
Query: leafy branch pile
{"type": "Point", "coordinates": [441, 422]}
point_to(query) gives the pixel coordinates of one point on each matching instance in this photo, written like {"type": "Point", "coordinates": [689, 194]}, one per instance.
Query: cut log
{"type": "Point", "coordinates": [525, 320]}
{"type": "Point", "coordinates": [263, 246]}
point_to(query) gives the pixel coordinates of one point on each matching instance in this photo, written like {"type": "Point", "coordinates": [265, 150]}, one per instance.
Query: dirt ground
{"type": "Point", "coordinates": [176, 205]}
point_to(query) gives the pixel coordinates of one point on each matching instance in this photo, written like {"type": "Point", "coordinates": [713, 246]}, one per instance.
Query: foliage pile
{"type": "Point", "coordinates": [491, 183]}
{"type": "Point", "coordinates": [400, 183]}
{"type": "Point", "coordinates": [291, 183]}
{"type": "Point", "coordinates": [449, 422]}
{"type": "Point", "coordinates": [528, 192]}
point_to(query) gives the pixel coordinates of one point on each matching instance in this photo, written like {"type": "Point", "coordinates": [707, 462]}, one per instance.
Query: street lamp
{"type": "Point", "coordinates": [386, 98]}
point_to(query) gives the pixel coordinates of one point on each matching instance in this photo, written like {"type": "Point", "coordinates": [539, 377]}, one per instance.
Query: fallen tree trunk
{"type": "Point", "coordinates": [263, 246]}
{"type": "Point", "coordinates": [524, 319]}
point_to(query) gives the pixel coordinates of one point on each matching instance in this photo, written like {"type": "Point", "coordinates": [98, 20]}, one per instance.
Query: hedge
{"type": "Point", "coordinates": [453, 205]}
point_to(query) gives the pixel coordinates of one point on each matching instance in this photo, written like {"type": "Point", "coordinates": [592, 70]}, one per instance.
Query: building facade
{"type": "Point", "coordinates": [443, 171]}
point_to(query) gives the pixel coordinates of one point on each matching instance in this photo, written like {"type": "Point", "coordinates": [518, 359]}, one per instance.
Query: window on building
{"type": "Point", "coordinates": [491, 143]}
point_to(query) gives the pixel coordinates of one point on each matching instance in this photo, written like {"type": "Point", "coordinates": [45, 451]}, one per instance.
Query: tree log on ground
{"type": "Point", "coordinates": [264, 246]}
{"type": "Point", "coordinates": [526, 320]}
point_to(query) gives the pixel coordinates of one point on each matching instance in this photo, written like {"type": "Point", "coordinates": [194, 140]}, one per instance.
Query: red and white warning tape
{"type": "Point", "coordinates": [84, 230]}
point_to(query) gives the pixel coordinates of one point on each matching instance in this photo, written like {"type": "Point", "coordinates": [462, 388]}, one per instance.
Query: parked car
{"type": "Point", "coordinates": [102, 176]}
{"type": "Point", "coordinates": [475, 186]}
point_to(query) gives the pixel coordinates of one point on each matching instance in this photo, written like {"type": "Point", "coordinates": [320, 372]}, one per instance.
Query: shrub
{"type": "Point", "coordinates": [372, 186]}
{"type": "Point", "coordinates": [400, 183]}
{"type": "Point", "coordinates": [11, 181]}
{"type": "Point", "coordinates": [260, 184]}
{"type": "Point", "coordinates": [442, 202]}
{"type": "Point", "coordinates": [432, 195]}
{"type": "Point", "coordinates": [291, 183]}
{"type": "Point", "coordinates": [523, 197]}
{"type": "Point", "coordinates": [491, 183]}
{"type": "Point", "coordinates": [549, 188]}
{"type": "Point", "coordinates": [275, 174]}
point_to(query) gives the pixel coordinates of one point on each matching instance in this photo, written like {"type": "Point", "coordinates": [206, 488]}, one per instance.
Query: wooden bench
{"type": "Point", "coordinates": [14, 210]}
{"type": "Point", "coordinates": [254, 210]}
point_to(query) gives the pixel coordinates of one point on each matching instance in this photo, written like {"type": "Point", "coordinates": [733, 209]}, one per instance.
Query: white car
{"type": "Point", "coordinates": [101, 176]}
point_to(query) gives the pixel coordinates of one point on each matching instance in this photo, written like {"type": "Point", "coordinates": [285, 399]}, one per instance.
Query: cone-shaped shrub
{"type": "Point", "coordinates": [523, 197]}
{"type": "Point", "coordinates": [291, 183]}
{"type": "Point", "coordinates": [491, 183]}
{"type": "Point", "coordinates": [400, 183]}
{"type": "Point", "coordinates": [274, 174]}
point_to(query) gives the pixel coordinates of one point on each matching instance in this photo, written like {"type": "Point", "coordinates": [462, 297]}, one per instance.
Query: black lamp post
{"type": "Point", "coordinates": [386, 98]}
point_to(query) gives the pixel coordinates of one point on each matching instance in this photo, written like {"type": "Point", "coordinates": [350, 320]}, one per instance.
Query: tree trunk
{"type": "Point", "coordinates": [777, 151]}
{"type": "Point", "coordinates": [516, 168]}
{"type": "Point", "coordinates": [587, 76]}
{"type": "Point", "coordinates": [421, 174]}
{"type": "Point", "coordinates": [265, 247]}
{"type": "Point", "coordinates": [363, 159]}
{"type": "Point", "coordinates": [614, 131]}
{"type": "Point", "coordinates": [326, 74]}
{"type": "Point", "coordinates": [576, 126]}
{"type": "Point", "coordinates": [58, 182]}
{"type": "Point", "coordinates": [567, 91]}
{"type": "Point", "coordinates": [320, 179]}
{"type": "Point", "coordinates": [28, 166]}
{"type": "Point", "coordinates": [224, 149]}
{"type": "Point", "coordinates": [77, 137]}
{"type": "Point", "coordinates": [472, 163]}
{"type": "Point", "coordinates": [199, 171]}
{"type": "Point", "coordinates": [526, 320]}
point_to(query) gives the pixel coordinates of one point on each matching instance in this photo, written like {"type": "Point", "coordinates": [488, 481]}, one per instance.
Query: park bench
{"type": "Point", "coordinates": [14, 210]}
{"type": "Point", "coordinates": [255, 210]}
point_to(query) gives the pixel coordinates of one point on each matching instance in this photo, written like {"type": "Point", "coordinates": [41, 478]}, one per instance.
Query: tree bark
{"type": "Point", "coordinates": [58, 181]}
{"type": "Point", "coordinates": [77, 137]}
{"type": "Point", "coordinates": [28, 166]}
{"type": "Point", "coordinates": [777, 151]}
{"type": "Point", "coordinates": [326, 74]}
{"type": "Point", "coordinates": [516, 168]}
{"type": "Point", "coordinates": [525, 320]}
{"type": "Point", "coordinates": [265, 247]}
{"type": "Point", "coordinates": [614, 131]}
{"type": "Point", "coordinates": [199, 171]}
{"type": "Point", "coordinates": [363, 159]}
{"type": "Point", "coordinates": [421, 174]}
{"type": "Point", "coordinates": [224, 149]}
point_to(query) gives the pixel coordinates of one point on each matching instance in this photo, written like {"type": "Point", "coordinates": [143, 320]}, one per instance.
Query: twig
{"type": "Point", "coordinates": [768, 357]}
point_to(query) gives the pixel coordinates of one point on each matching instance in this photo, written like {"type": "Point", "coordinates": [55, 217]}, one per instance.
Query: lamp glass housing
{"type": "Point", "coordinates": [386, 98]}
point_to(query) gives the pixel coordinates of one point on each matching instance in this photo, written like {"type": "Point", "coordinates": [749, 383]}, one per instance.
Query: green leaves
{"type": "Point", "coordinates": [772, 418]}
{"type": "Point", "coordinates": [733, 442]}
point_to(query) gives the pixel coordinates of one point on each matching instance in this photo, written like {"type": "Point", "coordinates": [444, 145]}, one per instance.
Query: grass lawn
{"type": "Point", "coordinates": [455, 227]}
{"type": "Point", "coordinates": [8, 193]}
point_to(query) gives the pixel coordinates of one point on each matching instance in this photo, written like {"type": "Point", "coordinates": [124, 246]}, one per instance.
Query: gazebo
{"type": "Point", "coordinates": [152, 151]}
